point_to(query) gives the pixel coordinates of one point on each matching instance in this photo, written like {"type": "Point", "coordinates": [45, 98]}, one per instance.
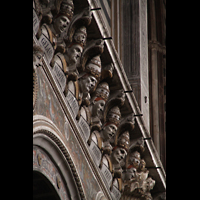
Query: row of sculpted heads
{"type": "Point", "coordinates": [56, 12]}
{"type": "Point", "coordinates": [125, 155]}
{"type": "Point", "coordinates": [72, 51]}
{"type": "Point", "coordinates": [55, 20]}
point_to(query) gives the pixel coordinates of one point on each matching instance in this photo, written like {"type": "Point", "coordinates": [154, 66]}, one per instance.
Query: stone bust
{"type": "Point", "coordinates": [86, 83]}
{"type": "Point", "coordinates": [134, 159]}
{"type": "Point", "coordinates": [129, 175]}
{"type": "Point", "coordinates": [72, 55]}
{"type": "Point", "coordinates": [90, 77]}
{"type": "Point", "coordinates": [119, 153]}
{"type": "Point", "coordinates": [59, 24]}
{"type": "Point", "coordinates": [148, 184]}
{"type": "Point", "coordinates": [110, 128]}
{"type": "Point", "coordinates": [98, 102]}
{"type": "Point", "coordinates": [80, 35]}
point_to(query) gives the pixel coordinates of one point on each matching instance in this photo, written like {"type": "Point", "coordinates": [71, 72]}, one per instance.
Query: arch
{"type": "Point", "coordinates": [42, 188]}
{"type": "Point", "coordinates": [49, 142]}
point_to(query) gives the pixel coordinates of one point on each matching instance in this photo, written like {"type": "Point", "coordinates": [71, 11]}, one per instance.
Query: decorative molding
{"type": "Point", "coordinates": [79, 62]}
{"type": "Point", "coordinates": [67, 157]}
{"type": "Point", "coordinates": [43, 164]}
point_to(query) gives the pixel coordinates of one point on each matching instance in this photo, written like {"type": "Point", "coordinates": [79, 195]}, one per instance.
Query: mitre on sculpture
{"type": "Point", "coordinates": [63, 18]}
{"type": "Point", "coordinates": [80, 35]}
{"type": "Point", "coordinates": [110, 126]}
{"type": "Point", "coordinates": [98, 102]}
{"type": "Point", "coordinates": [134, 160]}
{"type": "Point", "coordinates": [102, 91]}
{"type": "Point", "coordinates": [93, 67]}
{"type": "Point", "coordinates": [119, 153]}
{"type": "Point", "coordinates": [67, 8]}
{"type": "Point", "coordinates": [78, 21]}
{"type": "Point", "coordinates": [114, 115]}
{"type": "Point", "coordinates": [89, 78]}
{"type": "Point", "coordinates": [123, 141]}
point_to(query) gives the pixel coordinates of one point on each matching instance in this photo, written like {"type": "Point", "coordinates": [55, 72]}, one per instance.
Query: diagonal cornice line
{"type": "Point", "coordinates": [126, 86]}
{"type": "Point", "coordinates": [73, 123]}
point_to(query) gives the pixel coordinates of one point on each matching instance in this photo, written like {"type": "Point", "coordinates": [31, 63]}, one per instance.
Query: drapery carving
{"type": "Point", "coordinates": [76, 65]}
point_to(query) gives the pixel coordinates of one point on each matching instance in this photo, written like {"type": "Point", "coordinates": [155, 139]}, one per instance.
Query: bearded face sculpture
{"type": "Point", "coordinates": [72, 55]}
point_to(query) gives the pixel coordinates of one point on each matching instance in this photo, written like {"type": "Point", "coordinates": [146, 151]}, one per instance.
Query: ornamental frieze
{"type": "Point", "coordinates": [61, 43]}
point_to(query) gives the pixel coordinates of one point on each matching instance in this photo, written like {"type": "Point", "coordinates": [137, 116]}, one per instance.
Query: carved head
{"type": "Point", "coordinates": [114, 115]}
{"type": "Point", "coordinates": [73, 53]}
{"type": "Point", "coordinates": [87, 83]}
{"type": "Point", "coordinates": [120, 150]}
{"type": "Point", "coordinates": [135, 159]}
{"type": "Point", "coordinates": [130, 174]}
{"type": "Point", "coordinates": [142, 165]}
{"type": "Point", "coordinates": [102, 91]}
{"type": "Point", "coordinates": [80, 35]}
{"type": "Point", "coordinates": [109, 130]}
{"type": "Point", "coordinates": [99, 99]}
{"type": "Point", "coordinates": [98, 106]}
{"type": "Point", "coordinates": [88, 79]}
{"type": "Point", "coordinates": [61, 23]}
{"type": "Point", "coordinates": [67, 7]}
{"type": "Point", "coordinates": [148, 184]}
{"type": "Point", "coordinates": [94, 67]}
{"type": "Point", "coordinates": [124, 140]}
{"type": "Point", "coordinates": [112, 121]}
{"type": "Point", "coordinates": [118, 155]}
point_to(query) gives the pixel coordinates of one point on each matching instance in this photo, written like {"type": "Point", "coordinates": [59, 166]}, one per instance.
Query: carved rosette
{"type": "Point", "coordinates": [96, 107]}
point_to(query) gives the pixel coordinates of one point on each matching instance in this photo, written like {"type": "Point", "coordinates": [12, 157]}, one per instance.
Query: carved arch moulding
{"type": "Point", "coordinates": [48, 151]}
{"type": "Point", "coordinates": [61, 43]}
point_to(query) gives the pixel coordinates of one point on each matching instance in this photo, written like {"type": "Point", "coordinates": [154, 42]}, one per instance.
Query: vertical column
{"type": "Point", "coordinates": [154, 77]}
{"type": "Point", "coordinates": [144, 72]}
{"type": "Point", "coordinates": [135, 52]}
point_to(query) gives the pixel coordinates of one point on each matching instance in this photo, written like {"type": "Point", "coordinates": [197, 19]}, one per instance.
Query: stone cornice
{"type": "Point", "coordinates": [60, 81]}
{"type": "Point", "coordinates": [156, 162]}
{"type": "Point", "coordinates": [73, 124]}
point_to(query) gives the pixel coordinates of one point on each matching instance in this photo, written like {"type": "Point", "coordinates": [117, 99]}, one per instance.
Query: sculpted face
{"type": "Point", "coordinates": [61, 23]}
{"type": "Point", "coordinates": [88, 83]}
{"type": "Point", "coordinates": [103, 92]}
{"type": "Point", "coordinates": [74, 53]}
{"type": "Point", "coordinates": [80, 37]}
{"type": "Point", "coordinates": [130, 174]}
{"type": "Point", "coordinates": [109, 131]}
{"type": "Point", "coordinates": [148, 184]}
{"type": "Point", "coordinates": [119, 154]}
{"type": "Point", "coordinates": [135, 160]}
{"type": "Point", "coordinates": [98, 107]}
{"type": "Point", "coordinates": [93, 67]}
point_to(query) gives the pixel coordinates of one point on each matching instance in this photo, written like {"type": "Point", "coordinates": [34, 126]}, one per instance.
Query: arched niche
{"type": "Point", "coordinates": [53, 161]}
